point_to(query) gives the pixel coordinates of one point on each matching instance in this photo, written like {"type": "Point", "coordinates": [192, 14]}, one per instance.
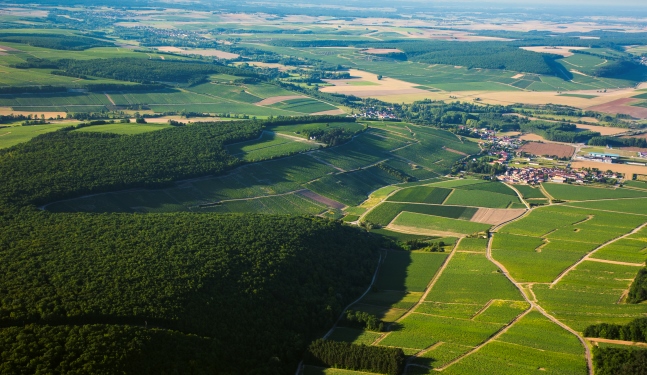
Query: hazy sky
{"type": "Point", "coordinates": [541, 3]}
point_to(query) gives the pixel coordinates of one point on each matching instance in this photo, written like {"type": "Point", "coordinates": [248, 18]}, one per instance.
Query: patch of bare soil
{"type": "Point", "coordinates": [278, 99]}
{"type": "Point", "coordinates": [321, 199]}
{"type": "Point", "coordinates": [621, 106]}
{"type": "Point", "coordinates": [454, 151]}
{"type": "Point", "coordinates": [496, 216]}
{"type": "Point", "coordinates": [550, 149]}
{"type": "Point", "coordinates": [421, 231]}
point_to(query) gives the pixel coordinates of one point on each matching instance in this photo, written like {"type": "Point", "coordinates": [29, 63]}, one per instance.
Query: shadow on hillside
{"type": "Point", "coordinates": [387, 300]}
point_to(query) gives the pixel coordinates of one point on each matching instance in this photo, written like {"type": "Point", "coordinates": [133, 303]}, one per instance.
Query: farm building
{"type": "Point", "coordinates": [600, 155]}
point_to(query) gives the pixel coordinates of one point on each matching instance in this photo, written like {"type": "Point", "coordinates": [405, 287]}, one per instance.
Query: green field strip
{"type": "Point", "coordinates": [14, 135]}
{"type": "Point", "coordinates": [590, 294]}
{"type": "Point", "coordinates": [583, 193]}
{"type": "Point", "coordinates": [472, 279]}
{"type": "Point", "coordinates": [481, 198]}
{"type": "Point", "coordinates": [636, 206]}
{"type": "Point", "coordinates": [492, 187]}
{"type": "Point", "coordinates": [533, 345]}
{"type": "Point", "coordinates": [124, 129]}
{"type": "Point", "coordinates": [531, 259]}
{"type": "Point", "coordinates": [421, 331]}
{"type": "Point", "coordinates": [420, 194]}
{"type": "Point", "coordinates": [313, 370]}
{"type": "Point", "coordinates": [438, 223]}
{"type": "Point", "coordinates": [354, 336]}
{"type": "Point", "coordinates": [408, 271]}
{"type": "Point", "coordinates": [386, 212]}
{"type": "Point", "coordinates": [351, 188]}
{"type": "Point", "coordinates": [269, 146]}
{"type": "Point", "coordinates": [529, 192]}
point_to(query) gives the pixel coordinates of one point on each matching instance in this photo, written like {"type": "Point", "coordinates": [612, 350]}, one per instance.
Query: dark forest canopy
{"type": "Point", "coordinates": [615, 361]}
{"type": "Point", "coordinates": [235, 291]}
{"type": "Point", "coordinates": [486, 55]}
{"type": "Point", "coordinates": [66, 164]}
{"type": "Point", "coordinates": [55, 41]}
{"type": "Point", "coordinates": [137, 70]}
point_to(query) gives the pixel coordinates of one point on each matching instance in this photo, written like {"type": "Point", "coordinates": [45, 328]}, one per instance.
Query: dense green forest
{"type": "Point", "coordinates": [615, 361]}
{"type": "Point", "coordinates": [82, 163]}
{"type": "Point", "coordinates": [638, 290]}
{"type": "Point", "coordinates": [485, 55]}
{"type": "Point", "coordinates": [253, 288]}
{"type": "Point", "coordinates": [381, 360]}
{"type": "Point", "coordinates": [55, 41]}
{"type": "Point", "coordinates": [137, 70]}
{"type": "Point", "coordinates": [79, 163]}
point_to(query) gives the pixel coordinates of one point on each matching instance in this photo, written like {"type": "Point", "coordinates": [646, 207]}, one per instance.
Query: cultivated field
{"type": "Point", "coordinates": [548, 149]}
{"type": "Point", "coordinates": [495, 216]}
{"type": "Point", "coordinates": [626, 169]}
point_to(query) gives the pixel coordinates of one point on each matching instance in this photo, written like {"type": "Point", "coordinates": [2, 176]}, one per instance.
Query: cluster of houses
{"type": "Point", "coordinates": [376, 113]}
{"type": "Point", "coordinates": [534, 176]}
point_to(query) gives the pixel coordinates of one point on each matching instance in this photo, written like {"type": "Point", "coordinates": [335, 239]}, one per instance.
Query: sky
{"type": "Point", "coordinates": [543, 3]}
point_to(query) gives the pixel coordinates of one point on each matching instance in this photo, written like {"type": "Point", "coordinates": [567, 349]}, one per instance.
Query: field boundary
{"type": "Point", "coordinates": [588, 255]}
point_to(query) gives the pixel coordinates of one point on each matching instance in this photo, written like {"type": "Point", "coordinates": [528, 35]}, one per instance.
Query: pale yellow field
{"type": "Point", "coordinates": [604, 130]}
{"type": "Point", "coordinates": [532, 137]}
{"type": "Point", "coordinates": [626, 169]}
{"type": "Point", "coordinates": [201, 52]}
{"type": "Point", "coordinates": [564, 51]}
{"type": "Point", "coordinates": [332, 112]}
{"type": "Point", "coordinates": [7, 111]}
{"type": "Point", "coordinates": [380, 51]}
{"type": "Point", "coordinates": [165, 119]}
{"type": "Point", "coordinates": [278, 99]}
{"type": "Point", "coordinates": [380, 88]}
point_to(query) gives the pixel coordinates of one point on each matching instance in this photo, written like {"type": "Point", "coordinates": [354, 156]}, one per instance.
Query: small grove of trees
{"type": "Point", "coordinates": [355, 357]}
{"type": "Point", "coordinates": [363, 320]}
{"type": "Point", "coordinates": [635, 331]}
{"type": "Point", "coordinates": [638, 290]}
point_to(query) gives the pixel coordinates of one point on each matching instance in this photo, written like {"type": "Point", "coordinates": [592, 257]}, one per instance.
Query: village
{"type": "Point", "coordinates": [505, 149]}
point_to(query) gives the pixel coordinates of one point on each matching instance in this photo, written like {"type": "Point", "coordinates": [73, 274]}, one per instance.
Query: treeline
{"type": "Point", "coordinates": [558, 132]}
{"type": "Point", "coordinates": [348, 356]}
{"type": "Point", "coordinates": [479, 167]}
{"type": "Point", "coordinates": [82, 163]}
{"type": "Point", "coordinates": [93, 87]}
{"type": "Point", "coordinates": [635, 331]}
{"type": "Point", "coordinates": [54, 41]}
{"type": "Point", "coordinates": [616, 361]}
{"type": "Point", "coordinates": [618, 142]}
{"type": "Point", "coordinates": [137, 70]}
{"type": "Point", "coordinates": [331, 137]}
{"type": "Point", "coordinates": [225, 294]}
